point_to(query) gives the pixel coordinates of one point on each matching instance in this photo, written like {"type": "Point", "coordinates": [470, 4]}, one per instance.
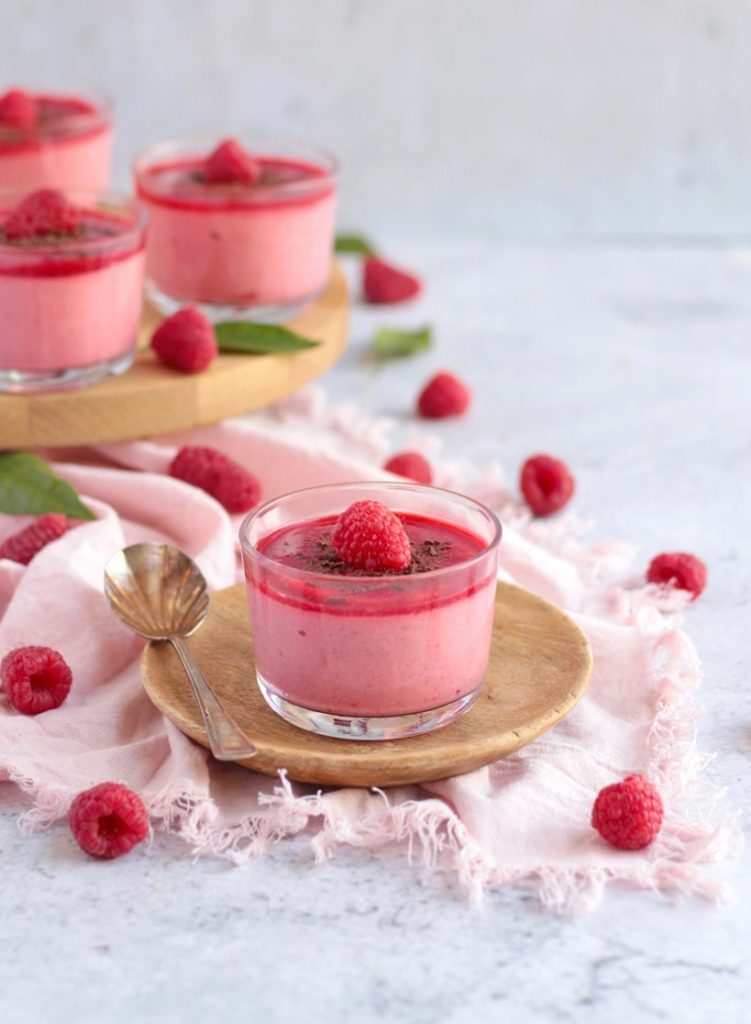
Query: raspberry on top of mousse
{"type": "Point", "coordinates": [369, 536]}
{"type": "Point", "coordinates": [45, 215]}
{"type": "Point", "coordinates": [18, 110]}
{"type": "Point", "coordinates": [230, 164]}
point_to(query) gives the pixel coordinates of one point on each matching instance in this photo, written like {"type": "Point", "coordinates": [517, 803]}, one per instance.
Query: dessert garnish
{"type": "Point", "coordinates": [546, 484]}
{"type": "Point", "coordinates": [108, 820]}
{"type": "Point", "coordinates": [29, 487]}
{"type": "Point", "coordinates": [411, 465]}
{"type": "Point", "coordinates": [385, 284]}
{"type": "Point", "coordinates": [18, 109]}
{"type": "Point", "coordinates": [369, 536]}
{"type": "Point", "coordinates": [390, 343]}
{"type": "Point", "coordinates": [43, 217]}
{"type": "Point", "coordinates": [444, 395]}
{"type": "Point", "coordinates": [214, 472]}
{"type": "Point", "coordinates": [185, 341]}
{"type": "Point", "coordinates": [229, 164]}
{"type": "Point", "coordinates": [628, 814]}
{"type": "Point", "coordinates": [259, 339]}
{"type": "Point", "coordinates": [354, 245]}
{"type": "Point", "coordinates": [21, 547]}
{"type": "Point", "coordinates": [681, 569]}
{"type": "Point", "coordinates": [35, 679]}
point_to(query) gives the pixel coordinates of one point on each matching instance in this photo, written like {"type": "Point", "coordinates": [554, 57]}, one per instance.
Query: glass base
{"type": "Point", "coordinates": [32, 381]}
{"type": "Point", "coordinates": [346, 727]}
{"type": "Point", "coordinates": [217, 312]}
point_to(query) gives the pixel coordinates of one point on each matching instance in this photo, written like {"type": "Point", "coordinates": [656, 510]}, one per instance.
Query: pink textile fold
{"type": "Point", "coordinates": [524, 819]}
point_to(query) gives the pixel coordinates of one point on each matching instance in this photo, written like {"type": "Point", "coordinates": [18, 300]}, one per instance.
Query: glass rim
{"type": "Point", "coordinates": [120, 201]}
{"type": "Point", "coordinates": [68, 124]}
{"type": "Point", "coordinates": [198, 145]}
{"type": "Point", "coordinates": [384, 485]}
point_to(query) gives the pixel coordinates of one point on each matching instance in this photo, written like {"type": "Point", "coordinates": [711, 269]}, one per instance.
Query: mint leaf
{"type": "Point", "coordinates": [260, 339]}
{"type": "Point", "coordinates": [356, 244]}
{"type": "Point", "coordinates": [390, 343]}
{"type": "Point", "coordinates": [29, 487]}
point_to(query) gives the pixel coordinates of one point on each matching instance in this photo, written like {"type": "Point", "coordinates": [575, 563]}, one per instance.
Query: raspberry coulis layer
{"type": "Point", "coordinates": [86, 250]}
{"type": "Point", "coordinates": [55, 116]}
{"type": "Point", "coordinates": [307, 547]}
{"type": "Point", "coordinates": [180, 184]}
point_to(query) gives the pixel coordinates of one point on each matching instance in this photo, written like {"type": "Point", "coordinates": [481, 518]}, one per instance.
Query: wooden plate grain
{"type": "Point", "coordinates": [154, 399]}
{"type": "Point", "coordinates": [539, 667]}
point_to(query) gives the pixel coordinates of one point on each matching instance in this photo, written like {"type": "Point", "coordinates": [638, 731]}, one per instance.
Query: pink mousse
{"type": "Point", "coordinates": [265, 242]}
{"type": "Point", "coordinates": [70, 302]}
{"type": "Point", "coordinates": [69, 146]}
{"type": "Point", "coordinates": [331, 639]}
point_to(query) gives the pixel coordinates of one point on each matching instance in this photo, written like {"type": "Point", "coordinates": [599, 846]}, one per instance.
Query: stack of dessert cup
{"type": "Point", "coordinates": [371, 604]}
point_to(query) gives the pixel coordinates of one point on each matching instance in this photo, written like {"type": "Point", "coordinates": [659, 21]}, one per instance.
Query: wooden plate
{"type": "Point", "coordinates": [153, 399]}
{"type": "Point", "coordinates": [539, 667]}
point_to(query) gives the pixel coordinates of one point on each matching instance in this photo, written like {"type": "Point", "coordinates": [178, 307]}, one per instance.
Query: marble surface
{"type": "Point", "coordinates": [635, 366]}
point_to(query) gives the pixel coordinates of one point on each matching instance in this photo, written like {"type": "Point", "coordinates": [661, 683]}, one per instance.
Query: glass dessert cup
{"type": "Point", "coordinates": [259, 251]}
{"type": "Point", "coordinates": [69, 147]}
{"type": "Point", "coordinates": [371, 657]}
{"type": "Point", "coordinates": [70, 306]}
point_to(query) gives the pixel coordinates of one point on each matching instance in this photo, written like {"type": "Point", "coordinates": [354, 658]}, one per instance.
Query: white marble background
{"type": "Point", "coordinates": [465, 116]}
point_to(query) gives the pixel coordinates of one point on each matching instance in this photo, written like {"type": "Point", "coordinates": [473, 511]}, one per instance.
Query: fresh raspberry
{"type": "Point", "coordinates": [214, 472]}
{"type": "Point", "coordinates": [685, 571]}
{"type": "Point", "coordinates": [443, 395]}
{"type": "Point", "coordinates": [412, 465]}
{"type": "Point", "coordinates": [383, 284]}
{"type": "Point", "coordinates": [35, 679]}
{"type": "Point", "coordinates": [46, 212]}
{"type": "Point", "coordinates": [185, 340]}
{"type": "Point", "coordinates": [371, 537]}
{"type": "Point", "coordinates": [546, 484]}
{"type": "Point", "coordinates": [18, 109]}
{"type": "Point", "coordinates": [628, 814]}
{"type": "Point", "coordinates": [22, 546]}
{"type": "Point", "coordinates": [229, 164]}
{"type": "Point", "coordinates": [108, 820]}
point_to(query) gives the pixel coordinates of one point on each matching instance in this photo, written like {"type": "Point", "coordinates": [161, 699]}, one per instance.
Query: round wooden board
{"type": "Point", "coordinates": [539, 667]}
{"type": "Point", "coordinates": [153, 399]}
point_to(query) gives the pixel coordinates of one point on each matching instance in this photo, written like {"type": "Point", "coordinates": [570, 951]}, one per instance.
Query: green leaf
{"type": "Point", "coordinates": [260, 339]}
{"type": "Point", "coordinates": [29, 487]}
{"type": "Point", "coordinates": [390, 343]}
{"type": "Point", "coordinates": [356, 244]}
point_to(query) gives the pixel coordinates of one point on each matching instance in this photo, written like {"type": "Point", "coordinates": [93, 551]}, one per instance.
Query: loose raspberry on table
{"type": "Point", "coordinates": [628, 814]}
{"type": "Point", "coordinates": [35, 679]}
{"type": "Point", "coordinates": [214, 472]}
{"type": "Point", "coordinates": [369, 536]}
{"type": "Point", "coordinates": [384, 284]}
{"type": "Point", "coordinates": [411, 465]}
{"type": "Point", "coordinates": [444, 395]}
{"type": "Point", "coordinates": [46, 212]}
{"type": "Point", "coordinates": [108, 820]}
{"type": "Point", "coordinates": [18, 109]}
{"type": "Point", "coordinates": [685, 571]}
{"type": "Point", "coordinates": [22, 546]}
{"type": "Point", "coordinates": [546, 484]}
{"type": "Point", "coordinates": [185, 341]}
{"type": "Point", "coordinates": [229, 164]}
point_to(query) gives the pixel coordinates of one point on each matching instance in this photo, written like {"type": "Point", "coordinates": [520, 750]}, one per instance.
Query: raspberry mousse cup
{"type": "Point", "coordinates": [244, 229]}
{"type": "Point", "coordinates": [53, 139]}
{"type": "Point", "coordinates": [355, 654]}
{"type": "Point", "coordinates": [71, 281]}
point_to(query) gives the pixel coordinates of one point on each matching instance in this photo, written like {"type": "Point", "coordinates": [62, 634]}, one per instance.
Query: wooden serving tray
{"type": "Point", "coordinates": [154, 399]}
{"type": "Point", "coordinates": [540, 664]}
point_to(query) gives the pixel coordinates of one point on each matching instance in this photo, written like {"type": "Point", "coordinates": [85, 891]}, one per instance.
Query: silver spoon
{"type": "Point", "coordinates": [160, 593]}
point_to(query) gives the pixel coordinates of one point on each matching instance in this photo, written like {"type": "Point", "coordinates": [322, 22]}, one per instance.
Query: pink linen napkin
{"type": "Point", "coordinates": [524, 819]}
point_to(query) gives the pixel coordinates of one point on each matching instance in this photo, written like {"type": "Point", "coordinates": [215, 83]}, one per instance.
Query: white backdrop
{"type": "Point", "coordinates": [526, 117]}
